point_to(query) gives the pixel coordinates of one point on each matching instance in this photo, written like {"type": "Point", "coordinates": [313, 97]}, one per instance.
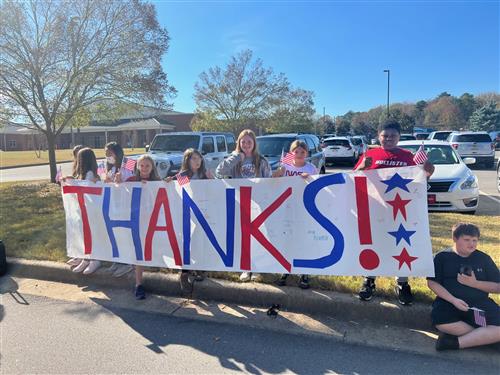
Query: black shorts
{"type": "Point", "coordinates": [444, 312]}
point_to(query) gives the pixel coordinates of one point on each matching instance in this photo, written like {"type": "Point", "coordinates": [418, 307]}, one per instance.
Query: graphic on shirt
{"type": "Point", "coordinates": [247, 170]}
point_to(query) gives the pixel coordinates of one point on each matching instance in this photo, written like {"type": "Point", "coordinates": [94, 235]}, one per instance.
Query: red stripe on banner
{"type": "Point", "coordinates": [80, 191]}
{"type": "Point", "coordinates": [162, 200]}
{"type": "Point", "coordinates": [364, 225]}
{"type": "Point", "coordinates": [251, 228]}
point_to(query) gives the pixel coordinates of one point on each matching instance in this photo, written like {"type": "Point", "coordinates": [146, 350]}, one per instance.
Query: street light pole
{"type": "Point", "coordinates": [388, 85]}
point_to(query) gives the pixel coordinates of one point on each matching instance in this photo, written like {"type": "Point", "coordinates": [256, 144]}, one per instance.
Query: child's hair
{"type": "Point", "coordinates": [153, 176]}
{"type": "Point", "coordinates": [85, 161]}
{"type": "Point", "coordinates": [298, 143]}
{"type": "Point", "coordinates": [389, 124]}
{"type": "Point", "coordinates": [465, 229]}
{"type": "Point", "coordinates": [186, 167]}
{"type": "Point", "coordinates": [255, 151]}
{"type": "Point", "coordinates": [118, 151]}
{"type": "Point", "coordinates": [75, 159]}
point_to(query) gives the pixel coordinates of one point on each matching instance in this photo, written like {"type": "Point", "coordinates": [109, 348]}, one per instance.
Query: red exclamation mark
{"type": "Point", "coordinates": [367, 258]}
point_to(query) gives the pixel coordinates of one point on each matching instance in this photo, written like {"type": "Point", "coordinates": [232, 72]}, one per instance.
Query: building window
{"type": "Point", "coordinates": [11, 143]}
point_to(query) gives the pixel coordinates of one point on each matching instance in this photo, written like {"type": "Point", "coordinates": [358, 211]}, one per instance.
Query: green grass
{"type": "Point", "coordinates": [33, 227]}
{"type": "Point", "coordinates": [18, 158]}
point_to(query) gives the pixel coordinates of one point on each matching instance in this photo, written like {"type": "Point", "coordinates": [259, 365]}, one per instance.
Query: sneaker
{"type": "Point", "coordinates": [366, 291]}
{"type": "Point", "coordinates": [256, 277]}
{"type": "Point", "coordinates": [83, 264]}
{"type": "Point", "coordinates": [113, 268]}
{"type": "Point", "coordinates": [447, 342]}
{"type": "Point", "coordinates": [92, 267]}
{"type": "Point", "coordinates": [198, 276]}
{"type": "Point", "coordinates": [245, 276]}
{"type": "Point", "coordinates": [186, 285]}
{"type": "Point", "coordinates": [304, 282]}
{"type": "Point", "coordinates": [403, 291]}
{"type": "Point", "coordinates": [282, 280]}
{"type": "Point", "coordinates": [123, 269]}
{"type": "Point", "coordinates": [74, 261]}
{"type": "Point", "coordinates": [140, 293]}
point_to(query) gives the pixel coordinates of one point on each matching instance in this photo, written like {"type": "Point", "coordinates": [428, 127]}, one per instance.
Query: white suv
{"type": "Point", "coordinates": [476, 145]}
{"type": "Point", "coordinates": [340, 149]}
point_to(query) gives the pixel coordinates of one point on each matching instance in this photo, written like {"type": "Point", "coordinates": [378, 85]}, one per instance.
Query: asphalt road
{"type": "Point", "coordinates": [48, 336]}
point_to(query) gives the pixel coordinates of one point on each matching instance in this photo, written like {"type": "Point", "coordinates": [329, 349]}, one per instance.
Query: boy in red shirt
{"type": "Point", "coordinates": [389, 155]}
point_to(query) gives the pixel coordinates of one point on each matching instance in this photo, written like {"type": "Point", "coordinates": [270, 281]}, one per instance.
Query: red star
{"type": "Point", "coordinates": [399, 204]}
{"type": "Point", "coordinates": [404, 257]}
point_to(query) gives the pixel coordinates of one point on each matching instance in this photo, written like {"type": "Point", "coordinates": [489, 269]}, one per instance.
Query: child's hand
{"type": "Point", "coordinates": [429, 168]}
{"type": "Point", "coordinates": [365, 163]}
{"type": "Point", "coordinates": [279, 172]}
{"type": "Point", "coordinates": [210, 175]}
{"type": "Point", "coordinates": [118, 177]}
{"type": "Point", "coordinates": [464, 279]}
{"type": "Point", "coordinates": [461, 305]}
{"type": "Point", "coordinates": [304, 175]}
{"type": "Point", "coordinates": [169, 178]}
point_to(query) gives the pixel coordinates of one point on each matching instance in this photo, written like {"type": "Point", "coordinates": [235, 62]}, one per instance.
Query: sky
{"type": "Point", "coordinates": [340, 49]}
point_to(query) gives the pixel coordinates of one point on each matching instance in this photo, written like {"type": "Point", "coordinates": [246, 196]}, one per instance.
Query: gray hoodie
{"type": "Point", "coordinates": [233, 167]}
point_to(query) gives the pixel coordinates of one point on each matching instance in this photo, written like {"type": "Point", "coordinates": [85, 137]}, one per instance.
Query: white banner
{"type": "Point", "coordinates": [357, 223]}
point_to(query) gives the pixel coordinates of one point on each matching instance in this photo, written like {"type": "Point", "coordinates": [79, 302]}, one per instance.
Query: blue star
{"type": "Point", "coordinates": [402, 233]}
{"type": "Point", "coordinates": [397, 181]}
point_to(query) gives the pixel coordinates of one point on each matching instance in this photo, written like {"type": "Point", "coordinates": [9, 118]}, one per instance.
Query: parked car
{"type": "Point", "coordinates": [498, 175]}
{"type": "Point", "coordinates": [495, 137]}
{"type": "Point", "coordinates": [407, 137]}
{"type": "Point", "coordinates": [167, 149]}
{"type": "Point", "coordinates": [272, 147]}
{"type": "Point", "coordinates": [474, 144]}
{"type": "Point", "coordinates": [340, 149]}
{"type": "Point", "coordinates": [328, 135]}
{"type": "Point", "coordinates": [452, 186]}
{"type": "Point", "coordinates": [439, 135]}
{"type": "Point", "coordinates": [421, 135]}
{"type": "Point", "coordinates": [361, 143]}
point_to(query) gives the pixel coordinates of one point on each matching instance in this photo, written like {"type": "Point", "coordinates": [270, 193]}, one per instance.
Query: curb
{"type": "Point", "coordinates": [313, 301]}
{"type": "Point", "coordinates": [33, 165]}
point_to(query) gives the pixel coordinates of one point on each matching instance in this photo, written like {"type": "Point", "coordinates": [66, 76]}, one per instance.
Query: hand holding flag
{"type": "Point", "coordinates": [287, 158]}
{"type": "Point", "coordinates": [182, 179]}
{"type": "Point", "coordinates": [420, 156]}
{"type": "Point", "coordinates": [479, 316]}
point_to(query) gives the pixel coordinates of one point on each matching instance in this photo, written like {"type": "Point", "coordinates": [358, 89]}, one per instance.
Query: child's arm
{"type": "Point", "coordinates": [485, 286]}
{"type": "Point", "coordinates": [279, 172]}
{"type": "Point", "coordinates": [441, 292]}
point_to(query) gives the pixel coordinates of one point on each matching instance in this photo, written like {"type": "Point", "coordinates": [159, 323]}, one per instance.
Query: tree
{"type": "Point", "coordinates": [443, 114]}
{"type": "Point", "coordinates": [418, 113]}
{"type": "Point", "coordinates": [342, 125]}
{"type": "Point", "coordinates": [486, 118]}
{"type": "Point", "coordinates": [467, 105]}
{"type": "Point", "coordinates": [60, 59]}
{"type": "Point", "coordinates": [406, 121]}
{"type": "Point", "coordinates": [244, 91]}
{"type": "Point", "coordinates": [293, 113]}
{"type": "Point", "coordinates": [206, 121]}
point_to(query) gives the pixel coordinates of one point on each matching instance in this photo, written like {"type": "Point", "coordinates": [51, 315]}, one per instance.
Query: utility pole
{"type": "Point", "coordinates": [388, 88]}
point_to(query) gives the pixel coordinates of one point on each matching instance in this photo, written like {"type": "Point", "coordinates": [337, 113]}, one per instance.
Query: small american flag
{"type": "Point", "coordinates": [479, 316]}
{"type": "Point", "coordinates": [59, 174]}
{"type": "Point", "coordinates": [182, 179]}
{"type": "Point", "coordinates": [101, 168]}
{"type": "Point", "coordinates": [420, 156]}
{"type": "Point", "coordinates": [128, 164]}
{"type": "Point", "coordinates": [287, 158]}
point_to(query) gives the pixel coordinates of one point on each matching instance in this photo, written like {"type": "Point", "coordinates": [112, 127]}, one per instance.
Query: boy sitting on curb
{"type": "Point", "coordinates": [463, 278]}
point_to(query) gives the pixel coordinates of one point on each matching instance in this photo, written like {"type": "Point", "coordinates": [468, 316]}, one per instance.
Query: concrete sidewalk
{"type": "Point", "coordinates": [312, 301]}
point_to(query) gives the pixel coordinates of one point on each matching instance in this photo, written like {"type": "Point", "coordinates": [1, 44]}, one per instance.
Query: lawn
{"type": "Point", "coordinates": [18, 158]}
{"type": "Point", "coordinates": [33, 227]}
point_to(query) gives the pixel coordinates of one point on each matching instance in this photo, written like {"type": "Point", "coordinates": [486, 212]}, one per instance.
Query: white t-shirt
{"type": "Point", "coordinates": [291, 170]}
{"type": "Point", "coordinates": [89, 176]}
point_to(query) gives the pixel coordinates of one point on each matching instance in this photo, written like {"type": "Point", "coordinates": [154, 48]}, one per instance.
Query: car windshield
{"type": "Point", "coordinates": [337, 142]}
{"type": "Point", "coordinates": [356, 141]}
{"type": "Point", "coordinates": [441, 136]}
{"type": "Point", "coordinates": [436, 154]}
{"type": "Point", "coordinates": [175, 142]}
{"type": "Point", "coordinates": [473, 138]}
{"type": "Point", "coordinates": [274, 146]}
{"type": "Point", "coordinates": [406, 137]}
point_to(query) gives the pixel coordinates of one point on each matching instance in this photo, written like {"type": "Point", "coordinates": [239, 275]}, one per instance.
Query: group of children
{"type": "Point", "coordinates": [464, 275]}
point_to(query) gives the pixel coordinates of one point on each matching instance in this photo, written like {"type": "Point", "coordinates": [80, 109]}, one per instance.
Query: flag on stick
{"type": "Point", "coordinates": [101, 168]}
{"type": "Point", "coordinates": [182, 179]}
{"type": "Point", "coordinates": [59, 174]}
{"type": "Point", "coordinates": [287, 158]}
{"type": "Point", "coordinates": [128, 164]}
{"type": "Point", "coordinates": [420, 156]}
{"type": "Point", "coordinates": [479, 316]}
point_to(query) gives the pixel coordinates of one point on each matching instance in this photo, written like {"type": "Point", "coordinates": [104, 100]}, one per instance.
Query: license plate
{"type": "Point", "coordinates": [431, 198]}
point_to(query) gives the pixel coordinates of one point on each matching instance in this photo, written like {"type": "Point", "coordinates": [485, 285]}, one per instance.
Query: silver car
{"type": "Point", "coordinates": [478, 145]}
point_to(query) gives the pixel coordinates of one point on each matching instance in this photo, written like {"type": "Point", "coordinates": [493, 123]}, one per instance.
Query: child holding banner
{"type": "Point", "coordinates": [193, 167]}
{"type": "Point", "coordinates": [86, 169]}
{"type": "Point", "coordinates": [389, 155]}
{"type": "Point", "coordinates": [462, 311]}
{"type": "Point", "coordinates": [245, 162]}
{"type": "Point", "coordinates": [298, 167]}
{"type": "Point", "coordinates": [145, 170]}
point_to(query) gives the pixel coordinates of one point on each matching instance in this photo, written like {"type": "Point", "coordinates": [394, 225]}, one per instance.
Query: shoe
{"type": "Point", "coordinates": [140, 293]}
{"type": "Point", "coordinates": [245, 276]}
{"type": "Point", "coordinates": [304, 282]}
{"type": "Point", "coordinates": [74, 261]}
{"type": "Point", "coordinates": [447, 342]}
{"type": "Point", "coordinates": [403, 291]}
{"type": "Point", "coordinates": [366, 291]}
{"type": "Point", "coordinates": [92, 267]}
{"type": "Point", "coordinates": [186, 285]}
{"type": "Point", "coordinates": [83, 264]}
{"type": "Point", "coordinates": [113, 268]}
{"type": "Point", "coordinates": [123, 269]}
{"type": "Point", "coordinates": [282, 280]}
{"type": "Point", "coordinates": [198, 276]}
{"type": "Point", "coordinates": [256, 277]}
